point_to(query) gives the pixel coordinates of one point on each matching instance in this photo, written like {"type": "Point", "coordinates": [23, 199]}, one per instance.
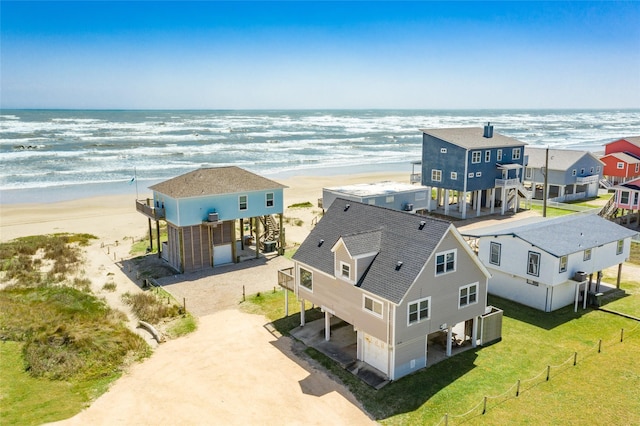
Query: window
{"type": "Point", "coordinates": [487, 156]}
{"type": "Point", "coordinates": [269, 199]}
{"type": "Point", "coordinates": [418, 311]}
{"type": "Point", "coordinates": [478, 174]}
{"type": "Point", "coordinates": [637, 167]}
{"type": "Point", "coordinates": [515, 154]}
{"type": "Point", "coordinates": [563, 264]}
{"type": "Point", "coordinates": [345, 270]}
{"type": "Point", "coordinates": [532, 282]}
{"type": "Point", "coordinates": [389, 199]}
{"type": "Point", "coordinates": [373, 306]}
{"type": "Point", "coordinates": [476, 156]}
{"type": "Point", "coordinates": [591, 170]}
{"type": "Point", "coordinates": [470, 174]}
{"type": "Point", "coordinates": [468, 295]}
{"type": "Point", "coordinates": [574, 172]}
{"type": "Point", "coordinates": [445, 262]}
{"type": "Point", "coordinates": [443, 150]}
{"type": "Point", "coordinates": [620, 165]}
{"type": "Point", "coordinates": [597, 169]}
{"type": "Point", "coordinates": [528, 172]}
{"type": "Point", "coordinates": [533, 265]}
{"type": "Point", "coordinates": [624, 197]}
{"type": "Point", "coordinates": [494, 255]}
{"type": "Point", "coordinates": [582, 171]}
{"type": "Point", "coordinates": [242, 202]}
{"type": "Point", "coordinates": [436, 175]}
{"type": "Point", "coordinates": [620, 247]}
{"type": "Point", "coordinates": [499, 155]}
{"type": "Point", "coordinates": [372, 201]}
{"type": "Point", "coordinates": [422, 195]}
{"type": "Point", "coordinates": [306, 279]}
{"type": "Point", "coordinates": [587, 255]}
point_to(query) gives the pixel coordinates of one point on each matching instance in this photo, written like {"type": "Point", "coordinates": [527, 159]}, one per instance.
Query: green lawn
{"type": "Point", "coordinates": [603, 388]}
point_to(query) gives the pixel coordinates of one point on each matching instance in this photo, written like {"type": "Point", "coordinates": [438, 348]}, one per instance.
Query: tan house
{"type": "Point", "coordinates": [401, 280]}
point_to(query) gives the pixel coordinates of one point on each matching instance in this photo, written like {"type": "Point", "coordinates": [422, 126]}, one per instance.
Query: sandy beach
{"type": "Point", "coordinates": [210, 375]}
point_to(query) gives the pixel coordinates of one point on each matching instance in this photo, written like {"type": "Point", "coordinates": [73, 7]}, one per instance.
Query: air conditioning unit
{"type": "Point", "coordinates": [408, 207]}
{"type": "Point", "coordinates": [214, 217]}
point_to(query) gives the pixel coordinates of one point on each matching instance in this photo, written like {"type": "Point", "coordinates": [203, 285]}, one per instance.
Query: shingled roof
{"type": "Point", "coordinates": [472, 138]}
{"type": "Point", "coordinates": [396, 237]}
{"type": "Point", "coordinates": [559, 159]}
{"type": "Point", "coordinates": [214, 181]}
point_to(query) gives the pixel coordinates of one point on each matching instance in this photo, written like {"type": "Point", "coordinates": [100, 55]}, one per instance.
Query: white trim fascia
{"type": "Point", "coordinates": [312, 268]}
{"type": "Point", "coordinates": [467, 249]}
{"type": "Point", "coordinates": [362, 256]}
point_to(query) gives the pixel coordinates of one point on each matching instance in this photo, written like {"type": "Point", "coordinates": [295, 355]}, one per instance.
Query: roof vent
{"type": "Point", "coordinates": [422, 224]}
{"type": "Point", "coordinates": [320, 243]}
{"type": "Point", "coordinates": [346, 207]}
{"type": "Point", "coordinates": [398, 265]}
{"type": "Point", "coordinates": [488, 131]}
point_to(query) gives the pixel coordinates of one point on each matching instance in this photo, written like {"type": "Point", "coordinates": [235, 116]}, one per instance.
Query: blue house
{"type": "Point", "coordinates": [473, 168]}
{"type": "Point", "coordinates": [205, 209]}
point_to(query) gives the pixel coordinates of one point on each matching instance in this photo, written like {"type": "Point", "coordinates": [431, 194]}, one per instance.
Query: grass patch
{"type": "Point", "coordinates": [551, 211]}
{"type": "Point", "coordinates": [634, 256]}
{"type": "Point", "coordinates": [181, 326]}
{"type": "Point", "coordinates": [304, 205]}
{"type": "Point", "coordinates": [142, 246]}
{"type": "Point", "coordinates": [152, 307]}
{"type": "Point", "coordinates": [293, 221]}
{"type": "Point", "coordinates": [110, 286]}
{"type": "Point", "coordinates": [532, 340]}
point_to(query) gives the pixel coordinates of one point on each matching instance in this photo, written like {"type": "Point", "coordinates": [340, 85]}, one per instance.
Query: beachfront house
{"type": "Point", "coordinates": [550, 263]}
{"type": "Point", "coordinates": [402, 282]}
{"type": "Point", "coordinates": [472, 168]}
{"type": "Point", "coordinates": [393, 195]}
{"type": "Point", "coordinates": [627, 200]}
{"type": "Point", "coordinates": [572, 175]}
{"type": "Point", "coordinates": [622, 160]}
{"type": "Point", "coordinates": [207, 212]}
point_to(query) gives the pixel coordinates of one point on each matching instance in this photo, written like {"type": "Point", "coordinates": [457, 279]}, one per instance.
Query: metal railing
{"type": "Point", "coordinates": [144, 207]}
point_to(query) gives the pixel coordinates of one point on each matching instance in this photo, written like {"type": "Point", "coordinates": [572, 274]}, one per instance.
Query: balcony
{"type": "Point", "coordinates": [507, 183]}
{"type": "Point", "coordinates": [415, 178]}
{"type": "Point", "coordinates": [286, 279]}
{"type": "Point", "coordinates": [585, 180]}
{"type": "Point", "coordinates": [145, 207]}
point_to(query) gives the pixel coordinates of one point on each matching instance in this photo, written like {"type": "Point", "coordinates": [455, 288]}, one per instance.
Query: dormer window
{"type": "Point", "coordinates": [345, 270]}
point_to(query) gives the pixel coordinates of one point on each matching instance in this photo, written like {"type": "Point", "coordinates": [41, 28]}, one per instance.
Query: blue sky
{"type": "Point", "coordinates": [273, 55]}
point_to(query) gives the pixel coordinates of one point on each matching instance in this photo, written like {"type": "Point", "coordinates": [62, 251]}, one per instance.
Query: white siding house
{"type": "Point", "coordinates": [540, 263]}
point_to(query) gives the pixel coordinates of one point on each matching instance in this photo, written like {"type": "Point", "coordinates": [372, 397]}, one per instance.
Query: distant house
{"type": "Point", "coordinates": [393, 195]}
{"type": "Point", "coordinates": [401, 280]}
{"type": "Point", "coordinates": [573, 175]}
{"type": "Point", "coordinates": [542, 262]}
{"type": "Point", "coordinates": [473, 168]}
{"type": "Point", "coordinates": [627, 197]}
{"type": "Point", "coordinates": [620, 167]}
{"type": "Point", "coordinates": [202, 209]}
{"type": "Point", "coordinates": [622, 160]}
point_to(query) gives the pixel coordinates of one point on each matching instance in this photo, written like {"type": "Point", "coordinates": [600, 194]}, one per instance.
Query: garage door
{"type": "Point", "coordinates": [222, 255]}
{"type": "Point", "coordinates": [376, 353]}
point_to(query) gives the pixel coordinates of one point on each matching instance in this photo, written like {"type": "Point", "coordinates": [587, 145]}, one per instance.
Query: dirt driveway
{"type": "Point", "coordinates": [231, 371]}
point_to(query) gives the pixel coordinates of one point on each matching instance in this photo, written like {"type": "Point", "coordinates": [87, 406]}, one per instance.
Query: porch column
{"type": "Point", "coordinates": [449, 338]}
{"type": "Point", "coordinates": [429, 198]}
{"type": "Point", "coordinates": [242, 233]}
{"type": "Point", "coordinates": [438, 197]}
{"type": "Point", "coordinates": [478, 201]}
{"type": "Point", "coordinates": [487, 202]}
{"type": "Point", "coordinates": [327, 326]}
{"type": "Point", "coordinates": [561, 191]}
{"type": "Point", "coordinates": [464, 205]}
{"type": "Point", "coordinates": [619, 275]}
{"type": "Point", "coordinates": [302, 313]}
{"type": "Point", "coordinates": [234, 242]}
{"type": "Point", "coordinates": [517, 199]}
{"type": "Point", "coordinates": [158, 236]}
{"type": "Point", "coordinates": [283, 243]}
{"type": "Point", "coordinates": [257, 222]}
{"type": "Point", "coordinates": [474, 333]}
{"type": "Point", "coordinates": [503, 192]}
{"type": "Point", "coordinates": [493, 199]}
{"type": "Point", "coordinates": [446, 202]}
{"type": "Point", "coordinates": [286, 302]}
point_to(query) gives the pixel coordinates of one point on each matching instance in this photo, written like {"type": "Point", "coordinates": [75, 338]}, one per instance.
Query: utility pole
{"type": "Point", "coordinates": [545, 172]}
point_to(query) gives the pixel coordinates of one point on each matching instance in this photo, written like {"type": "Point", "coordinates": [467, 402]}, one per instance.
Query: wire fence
{"type": "Point", "coordinates": [545, 375]}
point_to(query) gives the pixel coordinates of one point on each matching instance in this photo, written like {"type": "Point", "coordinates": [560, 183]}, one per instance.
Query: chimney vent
{"type": "Point", "coordinates": [398, 265]}
{"type": "Point", "coordinates": [488, 131]}
{"type": "Point", "coordinates": [346, 207]}
{"type": "Point", "coordinates": [422, 224]}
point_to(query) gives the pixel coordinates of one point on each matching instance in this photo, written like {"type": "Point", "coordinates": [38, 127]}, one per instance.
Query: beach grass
{"type": "Point", "coordinates": [531, 342]}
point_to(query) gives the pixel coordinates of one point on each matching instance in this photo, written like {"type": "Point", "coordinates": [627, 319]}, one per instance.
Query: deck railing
{"type": "Point", "coordinates": [286, 278]}
{"type": "Point", "coordinates": [507, 183]}
{"type": "Point", "coordinates": [144, 207]}
{"type": "Point", "coordinates": [415, 178]}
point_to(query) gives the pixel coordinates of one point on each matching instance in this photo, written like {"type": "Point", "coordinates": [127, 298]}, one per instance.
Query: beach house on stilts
{"type": "Point", "coordinates": [208, 211]}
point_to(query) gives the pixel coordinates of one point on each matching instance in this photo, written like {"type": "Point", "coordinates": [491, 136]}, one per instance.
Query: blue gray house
{"type": "Point", "coordinates": [573, 175]}
{"type": "Point", "coordinates": [205, 211]}
{"type": "Point", "coordinates": [473, 167]}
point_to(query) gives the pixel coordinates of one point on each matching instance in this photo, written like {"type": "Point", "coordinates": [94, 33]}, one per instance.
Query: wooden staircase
{"type": "Point", "coordinates": [609, 210]}
{"type": "Point", "coordinates": [270, 231]}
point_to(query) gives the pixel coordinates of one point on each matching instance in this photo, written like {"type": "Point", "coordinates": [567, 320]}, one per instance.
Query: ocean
{"type": "Point", "coordinates": [53, 155]}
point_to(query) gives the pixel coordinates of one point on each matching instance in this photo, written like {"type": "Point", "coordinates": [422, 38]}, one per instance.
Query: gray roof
{"type": "Point", "coordinates": [472, 138]}
{"type": "Point", "coordinates": [632, 184]}
{"type": "Point", "coordinates": [562, 235]}
{"type": "Point", "coordinates": [627, 158]}
{"type": "Point", "coordinates": [214, 181]}
{"type": "Point", "coordinates": [365, 228]}
{"type": "Point", "coordinates": [559, 159]}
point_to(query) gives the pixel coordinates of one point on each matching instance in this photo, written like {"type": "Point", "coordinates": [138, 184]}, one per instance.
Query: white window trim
{"type": "Point", "coordinates": [454, 175]}
{"type": "Point", "coordinates": [587, 255]}
{"type": "Point", "coordinates": [574, 172]}
{"type": "Point", "coordinates": [620, 247]}
{"type": "Point", "coordinates": [246, 203]}
{"type": "Point", "coordinates": [537, 274]}
{"type": "Point", "coordinates": [340, 271]}
{"type": "Point", "coordinates": [266, 200]}
{"type": "Point", "coordinates": [468, 287]}
{"type": "Point", "coordinates": [300, 285]}
{"type": "Point", "coordinates": [389, 199]}
{"type": "Point", "coordinates": [562, 269]}
{"type": "Point", "coordinates": [478, 174]}
{"type": "Point", "coordinates": [499, 155]}
{"type": "Point", "coordinates": [436, 173]}
{"type": "Point", "coordinates": [419, 320]}
{"type": "Point", "coordinates": [491, 245]}
{"type": "Point", "coordinates": [487, 156]}
{"type": "Point", "coordinates": [515, 154]}
{"type": "Point", "coordinates": [443, 150]}
{"type": "Point", "coordinates": [374, 301]}
{"type": "Point", "coordinates": [620, 165]}
{"type": "Point", "coordinates": [470, 174]}
{"type": "Point", "coordinates": [597, 169]}
{"type": "Point", "coordinates": [445, 253]}
{"type": "Point", "coordinates": [476, 157]}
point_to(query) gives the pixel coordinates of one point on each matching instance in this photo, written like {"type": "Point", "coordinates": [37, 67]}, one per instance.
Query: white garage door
{"type": "Point", "coordinates": [222, 255]}
{"type": "Point", "coordinates": [376, 353]}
